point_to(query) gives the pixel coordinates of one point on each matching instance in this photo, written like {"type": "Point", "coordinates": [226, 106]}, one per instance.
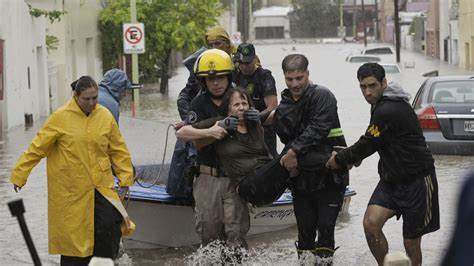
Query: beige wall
{"type": "Point", "coordinates": [466, 34]}
{"type": "Point", "coordinates": [386, 9]}
{"type": "Point", "coordinates": [432, 29]}
{"type": "Point", "coordinates": [78, 52]}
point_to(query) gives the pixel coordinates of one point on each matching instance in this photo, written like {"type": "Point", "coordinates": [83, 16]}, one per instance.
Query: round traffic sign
{"type": "Point", "coordinates": [133, 35]}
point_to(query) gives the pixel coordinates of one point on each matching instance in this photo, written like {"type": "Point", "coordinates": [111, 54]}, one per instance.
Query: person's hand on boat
{"type": "Point", "coordinates": [16, 188]}
{"type": "Point", "coordinates": [229, 123]}
{"type": "Point", "coordinates": [216, 131]}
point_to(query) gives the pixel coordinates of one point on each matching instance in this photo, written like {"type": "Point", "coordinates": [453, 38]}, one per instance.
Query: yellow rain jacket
{"type": "Point", "coordinates": [81, 151]}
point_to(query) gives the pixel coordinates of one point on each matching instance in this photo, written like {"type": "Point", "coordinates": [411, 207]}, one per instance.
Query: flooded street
{"type": "Point", "coordinates": [145, 137]}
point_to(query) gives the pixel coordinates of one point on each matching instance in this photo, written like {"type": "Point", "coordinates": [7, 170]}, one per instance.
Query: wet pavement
{"type": "Point", "coordinates": [145, 136]}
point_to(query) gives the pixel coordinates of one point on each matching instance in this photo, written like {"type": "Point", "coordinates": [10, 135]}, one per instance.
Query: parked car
{"type": "Point", "coordinates": [390, 68]}
{"type": "Point", "coordinates": [362, 58]}
{"type": "Point", "coordinates": [445, 108]}
{"type": "Point", "coordinates": [378, 50]}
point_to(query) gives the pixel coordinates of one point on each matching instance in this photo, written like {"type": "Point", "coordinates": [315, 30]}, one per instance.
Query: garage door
{"type": "Point", "coordinates": [269, 33]}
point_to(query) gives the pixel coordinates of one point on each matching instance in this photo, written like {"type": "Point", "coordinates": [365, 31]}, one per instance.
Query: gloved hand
{"type": "Point", "coordinates": [252, 115]}
{"type": "Point", "coordinates": [229, 123]}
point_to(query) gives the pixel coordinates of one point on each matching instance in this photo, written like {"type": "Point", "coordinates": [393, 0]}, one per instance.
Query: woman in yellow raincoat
{"type": "Point", "coordinates": [82, 143]}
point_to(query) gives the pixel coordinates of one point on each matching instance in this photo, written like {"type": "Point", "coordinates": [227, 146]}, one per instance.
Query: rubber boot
{"type": "Point", "coordinates": [324, 255]}
{"type": "Point", "coordinates": [305, 256]}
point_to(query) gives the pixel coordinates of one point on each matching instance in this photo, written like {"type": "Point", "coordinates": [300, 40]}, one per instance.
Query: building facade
{"type": "Point", "coordinates": [448, 31]}
{"type": "Point", "coordinates": [432, 29]}
{"type": "Point", "coordinates": [271, 23]}
{"type": "Point", "coordinates": [24, 91]}
{"type": "Point", "coordinates": [79, 47]}
{"type": "Point", "coordinates": [466, 34]}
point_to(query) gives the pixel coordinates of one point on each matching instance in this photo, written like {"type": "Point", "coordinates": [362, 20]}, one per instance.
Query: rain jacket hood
{"type": "Point", "coordinates": [81, 152]}
{"type": "Point", "coordinates": [114, 83]}
{"type": "Point", "coordinates": [395, 90]}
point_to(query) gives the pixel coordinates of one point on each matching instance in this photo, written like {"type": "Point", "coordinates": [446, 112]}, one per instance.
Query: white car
{"type": "Point", "coordinates": [362, 58]}
{"type": "Point", "coordinates": [390, 68]}
{"type": "Point", "coordinates": [378, 50]}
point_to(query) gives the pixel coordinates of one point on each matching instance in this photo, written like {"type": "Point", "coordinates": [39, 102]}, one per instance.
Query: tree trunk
{"type": "Point", "coordinates": [164, 73]}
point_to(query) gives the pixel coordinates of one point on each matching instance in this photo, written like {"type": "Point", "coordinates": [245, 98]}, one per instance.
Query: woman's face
{"type": "Point", "coordinates": [238, 104]}
{"type": "Point", "coordinates": [87, 100]}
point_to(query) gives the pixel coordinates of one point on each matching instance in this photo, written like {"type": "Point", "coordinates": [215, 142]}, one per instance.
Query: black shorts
{"type": "Point", "coordinates": [416, 201]}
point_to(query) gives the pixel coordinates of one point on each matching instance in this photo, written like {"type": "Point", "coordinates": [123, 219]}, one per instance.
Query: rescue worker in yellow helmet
{"type": "Point", "coordinates": [216, 38]}
{"type": "Point", "coordinates": [220, 212]}
{"type": "Point", "coordinates": [82, 143]}
{"type": "Point", "coordinates": [184, 152]}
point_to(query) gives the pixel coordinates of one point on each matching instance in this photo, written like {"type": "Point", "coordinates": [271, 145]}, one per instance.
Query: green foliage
{"type": "Point", "coordinates": [414, 24]}
{"type": "Point", "coordinates": [52, 15]}
{"type": "Point", "coordinates": [314, 18]}
{"type": "Point", "coordinates": [51, 42]}
{"type": "Point", "coordinates": [170, 25]}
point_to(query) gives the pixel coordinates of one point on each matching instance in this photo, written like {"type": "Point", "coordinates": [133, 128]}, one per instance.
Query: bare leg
{"type": "Point", "coordinates": [374, 219]}
{"type": "Point", "coordinates": [413, 249]}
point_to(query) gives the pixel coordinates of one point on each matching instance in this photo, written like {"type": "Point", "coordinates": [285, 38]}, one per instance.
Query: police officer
{"type": "Point", "coordinates": [408, 185]}
{"type": "Point", "coordinates": [260, 85]}
{"type": "Point", "coordinates": [220, 213]}
{"type": "Point", "coordinates": [308, 124]}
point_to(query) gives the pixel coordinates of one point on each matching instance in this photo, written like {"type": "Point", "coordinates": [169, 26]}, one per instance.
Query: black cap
{"type": "Point", "coordinates": [245, 53]}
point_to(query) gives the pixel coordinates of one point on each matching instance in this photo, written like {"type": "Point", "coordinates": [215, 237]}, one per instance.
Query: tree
{"type": "Point", "coordinates": [314, 18]}
{"type": "Point", "coordinates": [170, 25]}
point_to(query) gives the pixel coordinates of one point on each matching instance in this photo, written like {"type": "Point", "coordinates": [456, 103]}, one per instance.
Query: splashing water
{"type": "Point", "coordinates": [217, 253]}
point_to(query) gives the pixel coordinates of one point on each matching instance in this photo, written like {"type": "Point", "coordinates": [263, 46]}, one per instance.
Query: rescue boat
{"type": "Point", "coordinates": [165, 221]}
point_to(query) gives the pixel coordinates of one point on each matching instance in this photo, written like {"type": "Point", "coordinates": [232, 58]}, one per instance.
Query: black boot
{"type": "Point", "coordinates": [324, 255]}
{"type": "Point", "coordinates": [305, 255]}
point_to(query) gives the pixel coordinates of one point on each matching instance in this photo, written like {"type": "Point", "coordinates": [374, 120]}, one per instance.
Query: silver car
{"type": "Point", "coordinates": [445, 108]}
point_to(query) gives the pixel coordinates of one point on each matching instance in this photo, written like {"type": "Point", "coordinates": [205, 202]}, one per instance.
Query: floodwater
{"type": "Point", "coordinates": [145, 136]}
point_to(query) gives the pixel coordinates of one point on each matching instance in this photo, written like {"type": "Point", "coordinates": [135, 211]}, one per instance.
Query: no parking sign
{"type": "Point", "coordinates": [133, 38]}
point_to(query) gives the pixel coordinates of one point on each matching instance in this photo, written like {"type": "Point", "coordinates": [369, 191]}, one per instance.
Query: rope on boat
{"type": "Point", "coordinates": [157, 178]}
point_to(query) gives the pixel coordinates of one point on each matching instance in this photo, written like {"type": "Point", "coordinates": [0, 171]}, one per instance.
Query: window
{"type": "Point", "coordinates": [269, 33]}
{"type": "Point", "coordinates": [455, 92]}
{"type": "Point", "coordinates": [363, 59]}
{"type": "Point", "coordinates": [380, 50]}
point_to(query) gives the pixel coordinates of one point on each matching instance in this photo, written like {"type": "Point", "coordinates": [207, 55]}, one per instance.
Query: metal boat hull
{"type": "Point", "coordinates": [162, 222]}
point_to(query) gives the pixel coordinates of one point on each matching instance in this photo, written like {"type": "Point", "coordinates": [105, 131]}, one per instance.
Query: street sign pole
{"type": "Point", "coordinates": [397, 30]}
{"type": "Point", "coordinates": [136, 95]}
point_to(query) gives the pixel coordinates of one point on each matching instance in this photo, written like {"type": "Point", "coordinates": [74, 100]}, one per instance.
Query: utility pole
{"type": "Point", "coordinates": [135, 95]}
{"type": "Point", "coordinates": [376, 28]}
{"type": "Point", "coordinates": [354, 19]}
{"type": "Point", "coordinates": [341, 14]}
{"type": "Point", "coordinates": [363, 23]}
{"type": "Point", "coordinates": [341, 30]}
{"type": "Point", "coordinates": [243, 19]}
{"type": "Point", "coordinates": [397, 31]}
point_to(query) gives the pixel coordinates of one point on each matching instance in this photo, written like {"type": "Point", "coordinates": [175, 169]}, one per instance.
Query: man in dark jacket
{"type": "Point", "coordinates": [260, 85]}
{"type": "Point", "coordinates": [308, 124]}
{"type": "Point", "coordinates": [408, 185]}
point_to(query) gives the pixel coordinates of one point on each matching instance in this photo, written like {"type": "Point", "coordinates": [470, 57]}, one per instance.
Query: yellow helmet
{"type": "Point", "coordinates": [213, 62]}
